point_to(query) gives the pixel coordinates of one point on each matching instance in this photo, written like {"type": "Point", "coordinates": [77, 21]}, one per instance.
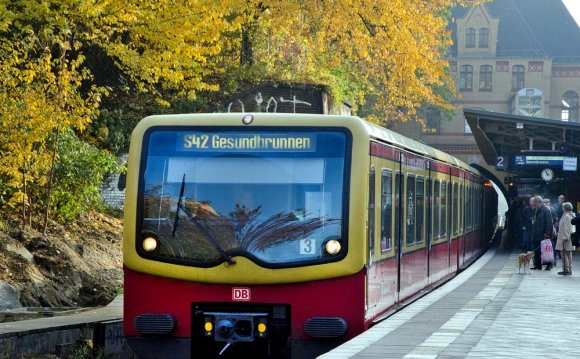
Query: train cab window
{"type": "Point", "coordinates": [436, 208]}
{"type": "Point", "coordinates": [443, 208]}
{"type": "Point", "coordinates": [420, 209]}
{"type": "Point", "coordinates": [275, 196]}
{"type": "Point", "coordinates": [371, 228]}
{"type": "Point", "coordinates": [386, 210]}
{"type": "Point", "coordinates": [410, 205]}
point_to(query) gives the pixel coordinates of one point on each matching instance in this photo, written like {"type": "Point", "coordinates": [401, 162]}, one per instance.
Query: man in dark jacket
{"type": "Point", "coordinates": [542, 228]}
{"type": "Point", "coordinates": [527, 215]}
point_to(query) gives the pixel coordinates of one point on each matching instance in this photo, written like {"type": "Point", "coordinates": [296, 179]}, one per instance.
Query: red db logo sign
{"type": "Point", "coordinates": [241, 294]}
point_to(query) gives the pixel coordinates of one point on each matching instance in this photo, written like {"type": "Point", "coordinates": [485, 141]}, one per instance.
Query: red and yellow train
{"type": "Point", "coordinates": [286, 234]}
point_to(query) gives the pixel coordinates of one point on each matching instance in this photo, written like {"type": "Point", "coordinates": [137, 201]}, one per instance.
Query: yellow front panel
{"type": "Point", "coordinates": [245, 271]}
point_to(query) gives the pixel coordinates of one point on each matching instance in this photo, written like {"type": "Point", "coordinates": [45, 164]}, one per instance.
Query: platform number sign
{"type": "Point", "coordinates": [501, 163]}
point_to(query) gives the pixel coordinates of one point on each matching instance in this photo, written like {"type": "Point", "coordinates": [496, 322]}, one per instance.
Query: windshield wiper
{"type": "Point", "coordinates": [208, 236]}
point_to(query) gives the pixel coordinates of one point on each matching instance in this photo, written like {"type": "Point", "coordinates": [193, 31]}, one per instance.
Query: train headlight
{"type": "Point", "coordinates": [149, 244]}
{"type": "Point", "coordinates": [332, 247]}
{"type": "Point", "coordinates": [262, 328]}
{"type": "Point", "coordinates": [208, 326]}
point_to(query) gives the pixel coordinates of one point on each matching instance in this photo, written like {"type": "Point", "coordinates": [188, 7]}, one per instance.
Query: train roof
{"type": "Point", "coordinates": [396, 139]}
{"type": "Point", "coordinates": [374, 131]}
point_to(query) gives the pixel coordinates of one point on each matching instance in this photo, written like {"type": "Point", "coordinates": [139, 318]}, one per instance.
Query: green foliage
{"type": "Point", "coordinates": [79, 175]}
{"type": "Point", "coordinates": [84, 349]}
{"type": "Point", "coordinates": [97, 67]}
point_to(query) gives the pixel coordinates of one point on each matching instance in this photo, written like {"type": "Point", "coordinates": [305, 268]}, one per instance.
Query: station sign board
{"type": "Point", "coordinates": [545, 161]}
{"type": "Point", "coordinates": [570, 164]}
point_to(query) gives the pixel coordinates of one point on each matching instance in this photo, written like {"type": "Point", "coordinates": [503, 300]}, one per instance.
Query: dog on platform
{"type": "Point", "coordinates": [524, 260]}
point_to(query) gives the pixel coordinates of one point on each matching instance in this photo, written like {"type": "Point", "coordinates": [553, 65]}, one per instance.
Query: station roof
{"type": "Point", "coordinates": [501, 134]}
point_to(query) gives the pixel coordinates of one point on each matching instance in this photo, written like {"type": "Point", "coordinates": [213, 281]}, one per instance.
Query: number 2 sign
{"type": "Point", "coordinates": [501, 163]}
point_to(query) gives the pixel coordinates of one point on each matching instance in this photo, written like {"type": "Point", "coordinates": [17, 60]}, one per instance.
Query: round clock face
{"type": "Point", "coordinates": [547, 174]}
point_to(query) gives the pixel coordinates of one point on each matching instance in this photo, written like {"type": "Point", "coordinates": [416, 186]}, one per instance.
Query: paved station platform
{"type": "Point", "coordinates": [487, 311]}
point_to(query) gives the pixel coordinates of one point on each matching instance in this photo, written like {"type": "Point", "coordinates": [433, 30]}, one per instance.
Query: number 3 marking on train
{"type": "Point", "coordinates": [307, 246]}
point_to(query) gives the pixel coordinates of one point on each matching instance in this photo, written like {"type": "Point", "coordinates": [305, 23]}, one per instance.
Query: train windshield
{"type": "Point", "coordinates": [274, 196]}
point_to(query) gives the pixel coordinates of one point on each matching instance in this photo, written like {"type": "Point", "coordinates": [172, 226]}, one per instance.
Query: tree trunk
{"type": "Point", "coordinates": [50, 181]}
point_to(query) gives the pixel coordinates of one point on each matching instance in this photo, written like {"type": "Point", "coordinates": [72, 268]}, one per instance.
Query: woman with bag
{"type": "Point", "coordinates": [564, 242]}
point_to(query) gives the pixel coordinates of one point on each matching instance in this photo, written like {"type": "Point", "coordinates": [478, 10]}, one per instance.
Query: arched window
{"type": "Point", "coordinates": [570, 106]}
{"type": "Point", "coordinates": [483, 38]}
{"type": "Point", "coordinates": [470, 37]}
{"type": "Point", "coordinates": [518, 77]}
{"type": "Point", "coordinates": [485, 78]}
{"type": "Point", "coordinates": [466, 78]}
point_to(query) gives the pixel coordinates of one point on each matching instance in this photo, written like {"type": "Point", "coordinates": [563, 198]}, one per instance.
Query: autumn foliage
{"type": "Point", "coordinates": [62, 61]}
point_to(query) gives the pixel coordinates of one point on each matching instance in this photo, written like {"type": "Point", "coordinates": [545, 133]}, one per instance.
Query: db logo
{"type": "Point", "coordinates": [241, 294]}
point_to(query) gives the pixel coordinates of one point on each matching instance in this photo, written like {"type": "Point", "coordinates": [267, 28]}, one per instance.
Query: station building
{"type": "Point", "coordinates": [516, 64]}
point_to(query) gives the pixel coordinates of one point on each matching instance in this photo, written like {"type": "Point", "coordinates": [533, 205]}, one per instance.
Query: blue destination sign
{"type": "Point", "coordinates": [254, 142]}
{"type": "Point", "coordinates": [549, 161]}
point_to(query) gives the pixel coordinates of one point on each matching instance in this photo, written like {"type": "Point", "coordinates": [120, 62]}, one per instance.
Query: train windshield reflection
{"type": "Point", "coordinates": [275, 198]}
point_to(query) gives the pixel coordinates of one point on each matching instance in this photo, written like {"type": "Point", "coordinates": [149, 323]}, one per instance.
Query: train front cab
{"type": "Point", "coordinates": [179, 310]}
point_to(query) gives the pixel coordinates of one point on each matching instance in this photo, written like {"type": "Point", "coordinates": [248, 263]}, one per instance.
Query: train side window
{"type": "Point", "coordinates": [449, 213]}
{"type": "Point", "coordinates": [371, 222]}
{"type": "Point", "coordinates": [464, 202]}
{"type": "Point", "coordinates": [410, 206]}
{"type": "Point", "coordinates": [398, 223]}
{"type": "Point", "coordinates": [455, 208]}
{"type": "Point", "coordinates": [436, 208]}
{"type": "Point", "coordinates": [443, 208]}
{"type": "Point", "coordinates": [420, 209]}
{"type": "Point", "coordinates": [386, 210]}
{"type": "Point", "coordinates": [472, 202]}
{"type": "Point", "coordinates": [429, 210]}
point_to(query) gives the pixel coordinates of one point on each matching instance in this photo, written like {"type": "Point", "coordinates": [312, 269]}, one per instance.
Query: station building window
{"type": "Point", "coordinates": [466, 78]}
{"type": "Point", "coordinates": [483, 38]}
{"type": "Point", "coordinates": [470, 37]}
{"type": "Point", "coordinates": [485, 75]}
{"type": "Point", "coordinates": [570, 106]}
{"type": "Point", "coordinates": [518, 77]}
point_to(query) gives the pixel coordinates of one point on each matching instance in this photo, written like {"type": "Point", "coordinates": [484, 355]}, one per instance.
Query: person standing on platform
{"type": "Point", "coordinates": [554, 225]}
{"type": "Point", "coordinates": [558, 206]}
{"type": "Point", "coordinates": [564, 243]}
{"type": "Point", "coordinates": [527, 215]}
{"type": "Point", "coordinates": [542, 228]}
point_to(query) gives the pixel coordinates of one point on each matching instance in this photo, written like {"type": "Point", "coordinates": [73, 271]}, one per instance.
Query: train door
{"type": "Point", "coordinates": [413, 257]}
{"type": "Point", "coordinates": [429, 216]}
{"type": "Point", "coordinates": [382, 272]}
{"type": "Point", "coordinates": [398, 223]}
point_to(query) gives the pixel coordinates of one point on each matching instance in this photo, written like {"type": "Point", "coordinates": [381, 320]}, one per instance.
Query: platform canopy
{"type": "Point", "coordinates": [501, 134]}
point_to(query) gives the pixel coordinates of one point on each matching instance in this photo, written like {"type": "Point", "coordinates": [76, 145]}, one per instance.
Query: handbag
{"type": "Point", "coordinates": [547, 251]}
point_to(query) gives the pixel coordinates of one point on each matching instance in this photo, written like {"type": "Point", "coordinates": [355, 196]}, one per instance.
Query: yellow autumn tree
{"type": "Point", "coordinates": [390, 50]}
{"type": "Point", "coordinates": [47, 87]}
{"type": "Point", "coordinates": [60, 58]}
